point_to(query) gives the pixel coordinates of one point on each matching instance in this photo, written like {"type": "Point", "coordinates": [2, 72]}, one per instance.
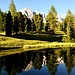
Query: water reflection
{"type": "Point", "coordinates": [45, 62]}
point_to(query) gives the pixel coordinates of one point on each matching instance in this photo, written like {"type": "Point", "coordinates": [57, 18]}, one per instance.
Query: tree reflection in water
{"type": "Point", "coordinates": [37, 59]}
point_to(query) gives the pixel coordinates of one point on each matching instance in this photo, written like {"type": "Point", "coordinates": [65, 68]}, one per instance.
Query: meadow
{"type": "Point", "coordinates": [35, 40]}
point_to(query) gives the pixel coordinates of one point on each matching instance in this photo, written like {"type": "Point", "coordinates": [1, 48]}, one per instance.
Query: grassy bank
{"type": "Point", "coordinates": [48, 45]}
{"type": "Point", "coordinates": [34, 41]}
{"type": "Point", "coordinates": [10, 42]}
{"type": "Point", "coordinates": [27, 39]}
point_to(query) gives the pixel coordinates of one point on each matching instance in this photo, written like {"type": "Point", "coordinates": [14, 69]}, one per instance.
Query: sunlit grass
{"type": "Point", "coordinates": [12, 42]}
{"type": "Point", "coordinates": [49, 45]}
{"type": "Point", "coordinates": [10, 51]}
{"type": "Point", "coordinates": [38, 41]}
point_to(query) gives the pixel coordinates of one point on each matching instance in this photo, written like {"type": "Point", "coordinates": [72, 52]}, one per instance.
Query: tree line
{"type": "Point", "coordinates": [67, 25]}
{"type": "Point", "coordinates": [14, 22]}
{"type": "Point", "coordinates": [17, 23]}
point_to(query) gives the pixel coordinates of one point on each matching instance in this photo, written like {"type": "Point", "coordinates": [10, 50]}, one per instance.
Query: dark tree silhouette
{"type": "Point", "coordinates": [46, 28]}
{"type": "Point", "coordinates": [16, 26]}
{"type": "Point", "coordinates": [29, 25]}
{"type": "Point", "coordinates": [20, 22]}
{"type": "Point", "coordinates": [9, 24]}
{"type": "Point", "coordinates": [33, 25]}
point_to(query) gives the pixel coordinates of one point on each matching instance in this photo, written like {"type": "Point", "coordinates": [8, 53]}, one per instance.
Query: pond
{"type": "Point", "coordinates": [41, 62]}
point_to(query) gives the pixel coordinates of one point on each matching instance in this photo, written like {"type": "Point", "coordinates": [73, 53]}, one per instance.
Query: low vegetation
{"type": "Point", "coordinates": [36, 40]}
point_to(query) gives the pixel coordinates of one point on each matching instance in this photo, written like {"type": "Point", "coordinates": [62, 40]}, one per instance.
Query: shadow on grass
{"type": "Point", "coordinates": [43, 37]}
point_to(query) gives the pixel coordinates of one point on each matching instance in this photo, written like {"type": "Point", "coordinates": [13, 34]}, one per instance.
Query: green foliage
{"type": "Point", "coordinates": [12, 8]}
{"type": "Point", "coordinates": [25, 22]}
{"type": "Point", "coordinates": [38, 22]}
{"type": "Point", "coordinates": [15, 25]}
{"type": "Point", "coordinates": [21, 25]}
{"type": "Point", "coordinates": [52, 18]}
{"type": "Point", "coordinates": [60, 26]}
{"type": "Point", "coordinates": [2, 20]}
{"type": "Point", "coordinates": [69, 25]}
{"type": "Point", "coordinates": [53, 10]}
{"type": "Point", "coordinates": [33, 26]}
{"type": "Point", "coordinates": [66, 39]}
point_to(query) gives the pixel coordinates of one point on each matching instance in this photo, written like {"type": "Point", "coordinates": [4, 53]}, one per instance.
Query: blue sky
{"type": "Point", "coordinates": [42, 6]}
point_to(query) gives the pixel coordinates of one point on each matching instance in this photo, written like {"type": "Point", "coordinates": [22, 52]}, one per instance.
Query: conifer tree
{"type": "Point", "coordinates": [16, 26]}
{"type": "Point", "coordinates": [69, 22]}
{"type": "Point", "coordinates": [52, 18]}
{"type": "Point", "coordinates": [8, 24]}
{"type": "Point", "coordinates": [21, 24]}
{"type": "Point", "coordinates": [38, 21]}
{"type": "Point", "coordinates": [0, 20]}
{"type": "Point", "coordinates": [12, 8]}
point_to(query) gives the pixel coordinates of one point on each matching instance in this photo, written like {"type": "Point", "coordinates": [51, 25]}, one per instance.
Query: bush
{"type": "Point", "coordinates": [66, 39]}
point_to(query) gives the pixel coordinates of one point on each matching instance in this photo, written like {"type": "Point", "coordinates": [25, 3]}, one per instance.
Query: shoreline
{"type": "Point", "coordinates": [40, 46]}
{"type": "Point", "coordinates": [13, 50]}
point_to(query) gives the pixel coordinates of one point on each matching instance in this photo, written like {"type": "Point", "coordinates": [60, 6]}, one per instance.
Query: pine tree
{"type": "Point", "coordinates": [0, 20]}
{"type": "Point", "coordinates": [35, 19]}
{"type": "Point", "coordinates": [38, 21]}
{"type": "Point", "coordinates": [69, 22]}
{"type": "Point", "coordinates": [69, 25]}
{"type": "Point", "coordinates": [21, 24]}
{"type": "Point", "coordinates": [12, 8]}
{"type": "Point", "coordinates": [16, 26]}
{"type": "Point", "coordinates": [52, 18]}
{"type": "Point", "coordinates": [33, 25]}
{"type": "Point", "coordinates": [29, 25]}
{"type": "Point", "coordinates": [25, 23]}
{"type": "Point", "coordinates": [8, 24]}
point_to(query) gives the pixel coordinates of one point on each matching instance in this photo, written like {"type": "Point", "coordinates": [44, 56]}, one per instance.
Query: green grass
{"type": "Point", "coordinates": [10, 51]}
{"type": "Point", "coordinates": [33, 40]}
{"type": "Point", "coordinates": [17, 42]}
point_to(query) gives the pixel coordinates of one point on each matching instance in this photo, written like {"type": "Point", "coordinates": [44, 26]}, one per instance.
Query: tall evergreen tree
{"type": "Point", "coordinates": [25, 22]}
{"type": "Point", "coordinates": [35, 20]}
{"type": "Point", "coordinates": [16, 26]}
{"type": "Point", "coordinates": [33, 26]}
{"type": "Point", "coordinates": [12, 8]}
{"type": "Point", "coordinates": [52, 18]}
{"type": "Point", "coordinates": [3, 20]}
{"type": "Point", "coordinates": [73, 29]}
{"type": "Point", "coordinates": [0, 20]}
{"type": "Point", "coordinates": [69, 26]}
{"type": "Point", "coordinates": [29, 25]}
{"type": "Point", "coordinates": [8, 24]}
{"type": "Point", "coordinates": [69, 22]}
{"type": "Point", "coordinates": [20, 22]}
{"type": "Point", "coordinates": [38, 21]}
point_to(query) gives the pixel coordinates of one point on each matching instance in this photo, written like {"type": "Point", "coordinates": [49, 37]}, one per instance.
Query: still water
{"type": "Point", "coordinates": [42, 62]}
